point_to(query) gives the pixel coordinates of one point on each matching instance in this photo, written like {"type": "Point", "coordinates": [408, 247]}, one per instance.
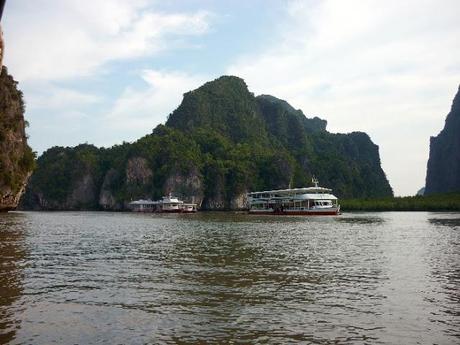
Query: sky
{"type": "Point", "coordinates": [108, 71]}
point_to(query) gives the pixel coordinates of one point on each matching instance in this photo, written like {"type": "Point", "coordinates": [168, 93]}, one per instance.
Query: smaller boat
{"type": "Point", "coordinates": [168, 204]}
{"type": "Point", "coordinates": [308, 201]}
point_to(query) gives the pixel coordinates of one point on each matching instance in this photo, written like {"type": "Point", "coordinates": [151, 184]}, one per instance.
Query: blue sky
{"type": "Point", "coordinates": [107, 71]}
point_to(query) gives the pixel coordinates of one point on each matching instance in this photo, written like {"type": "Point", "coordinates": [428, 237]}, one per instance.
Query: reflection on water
{"type": "Point", "coordinates": [12, 254]}
{"type": "Point", "coordinates": [259, 284]}
{"type": "Point", "coordinates": [360, 219]}
{"type": "Point", "coordinates": [365, 278]}
{"type": "Point", "coordinates": [450, 222]}
{"type": "Point", "coordinates": [443, 257]}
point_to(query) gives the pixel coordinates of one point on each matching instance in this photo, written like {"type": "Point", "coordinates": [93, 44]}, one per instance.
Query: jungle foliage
{"type": "Point", "coordinates": [236, 142]}
{"type": "Point", "coordinates": [433, 202]}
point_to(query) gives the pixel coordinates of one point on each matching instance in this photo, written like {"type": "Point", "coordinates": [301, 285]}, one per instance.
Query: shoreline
{"type": "Point", "coordinates": [431, 203]}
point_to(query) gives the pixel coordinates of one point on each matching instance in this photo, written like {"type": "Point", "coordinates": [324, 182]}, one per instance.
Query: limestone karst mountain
{"type": "Point", "coordinates": [220, 143]}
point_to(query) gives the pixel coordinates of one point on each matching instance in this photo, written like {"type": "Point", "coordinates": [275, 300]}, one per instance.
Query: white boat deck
{"type": "Point", "coordinates": [307, 200]}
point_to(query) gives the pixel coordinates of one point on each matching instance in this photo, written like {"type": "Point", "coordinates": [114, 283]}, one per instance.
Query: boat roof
{"type": "Point", "coordinates": [291, 191]}
{"type": "Point", "coordinates": [320, 196]}
{"type": "Point", "coordinates": [165, 200]}
{"type": "Point", "coordinates": [143, 202]}
{"type": "Point", "coordinates": [169, 200]}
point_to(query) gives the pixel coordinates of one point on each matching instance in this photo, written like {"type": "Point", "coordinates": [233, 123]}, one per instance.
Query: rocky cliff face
{"type": "Point", "coordinates": [135, 180]}
{"type": "Point", "coordinates": [16, 157]}
{"type": "Point", "coordinates": [443, 171]}
{"type": "Point", "coordinates": [107, 199]}
{"type": "Point", "coordinates": [189, 184]}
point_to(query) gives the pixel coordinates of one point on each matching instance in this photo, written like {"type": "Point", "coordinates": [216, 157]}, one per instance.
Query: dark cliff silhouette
{"type": "Point", "coordinates": [443, 171]}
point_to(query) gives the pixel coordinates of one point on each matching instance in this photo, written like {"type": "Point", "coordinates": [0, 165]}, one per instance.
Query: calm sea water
{"type": "Point", "coordinates": [121, 278]}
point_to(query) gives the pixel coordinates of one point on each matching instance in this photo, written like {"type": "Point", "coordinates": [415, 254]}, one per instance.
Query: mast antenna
{"type": "Point", "coordinates": [314, 180]}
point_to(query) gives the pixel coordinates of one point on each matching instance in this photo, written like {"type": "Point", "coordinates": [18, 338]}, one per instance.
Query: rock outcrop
{"type": "Point", "coordinates": [443, 170]}
{"type": "Point", "coordinates": [189, 185]}
{"type": "Point", "coordinates": [65, 179]}
{"type": "Point", "coordinates": [107, 199]}
{"type": "Point", "coordinates": [16, 157]}
{"type": "Point", "coordinates": [138, 171]}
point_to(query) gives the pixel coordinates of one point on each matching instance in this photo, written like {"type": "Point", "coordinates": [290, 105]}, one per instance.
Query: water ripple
{"type": "Point", "coordinates": [364, 278]}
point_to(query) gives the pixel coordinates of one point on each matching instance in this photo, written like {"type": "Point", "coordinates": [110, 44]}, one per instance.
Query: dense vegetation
{"type": "Point", "coordinates": [218, 144]}
{"type": "Point", "coordinates": [434, 202]}
{"type": "Point", "coordinates": [16, 158]}
{"type": "Point", "coordinates": [63, 166]}
{"type": "Point", "coordinates": [282, 145]}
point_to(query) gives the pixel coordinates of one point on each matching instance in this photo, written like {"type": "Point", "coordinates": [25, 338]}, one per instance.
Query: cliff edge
{"type": "Point", "coordinates": [16, 157]}
{"type": "Point", "coordinates": [443, 170]}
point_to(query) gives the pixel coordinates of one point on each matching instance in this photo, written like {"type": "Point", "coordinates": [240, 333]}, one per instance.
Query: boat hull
{"type": "Point", "coordinates": [164, 211]}
{"type": "Point", "coordinates": [319, 212]}
{"type": "Point", "coordinates": [175, 211]}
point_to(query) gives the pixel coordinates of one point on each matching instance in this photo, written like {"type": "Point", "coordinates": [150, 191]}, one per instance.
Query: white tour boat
{"type": "Point", "coordinates": [308, 201]}
{"type": "Point", "coordinates": [168, 204]}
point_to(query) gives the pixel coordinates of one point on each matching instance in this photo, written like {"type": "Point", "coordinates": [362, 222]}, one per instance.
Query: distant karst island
{"type": "Point", "coordinates": [220, 143]}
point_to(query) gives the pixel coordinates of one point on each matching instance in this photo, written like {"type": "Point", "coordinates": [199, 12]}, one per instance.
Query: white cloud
{"type": "Point", "coordinates": [52, 40]}
{"type": "Point", "coordinates": [55, 47]}
{"type": "Point", "coordinates": [138, 111]}
{"type": "Point", "coordinates": [51, 97]}
{"type": "Point", "coordinates": [379, 67]}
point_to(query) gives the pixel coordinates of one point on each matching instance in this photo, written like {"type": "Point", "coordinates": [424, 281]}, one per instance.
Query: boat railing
{"type": "Point", "coordinates": [297, 208]}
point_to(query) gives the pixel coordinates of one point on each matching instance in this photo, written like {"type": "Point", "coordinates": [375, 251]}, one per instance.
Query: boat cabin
{"type": "Point", "coordinates": [296, 201]}
{"type": "Point", "coordinates": [167, 204]}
